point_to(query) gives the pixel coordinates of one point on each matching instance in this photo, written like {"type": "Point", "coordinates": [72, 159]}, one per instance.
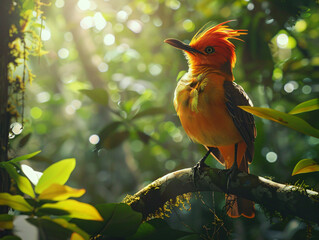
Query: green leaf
{"type": "Point", "coordinates": [71, 226]}
{"type": "Point", "coordinates": [144, 137]}
{"type": "Point", "coordinates": [307, 106]}
{"type": "Point", "coordinates": [58, 172]}
{"type": "Point", "coordinates": [107, 131]}
{"type": "Point", "coordinates": [51, 211]}
{"type": "Point", "coordinates": [285, 119]}
{"type": "Point", "coordinates": [115, 139]}
{"type": "Point", "coordinates": [150, 112]}
{"type": "Point", "coordinates": [23, 141]}
{"type": "Point", "coordinates": [305, 166]}
{"type": "Point", "coordinates": [180, 75]}
{"type": "Point", "coordinates": [6, 221]}
{"type": "Point", "coordinates": [120, 220]}
{"type": "Point", "coordinates": [50, 229]}
{"type": "Point", "coordinates": [76, 209]}
{"type": "Point", "coordinates": [22, 182]}
{"type": "Point", "coordinates": [123, 222]}
{"type": "Point", "coordinates": [60, 192]}
{"type": "Point", "coordinates": [10, 237]}
{"type": "Point", "coordinates": [157, 229]}
{"type": "Point", "coordinates": [98, 95]}
{"type": "Point", "coordinates": [16, 202]}
{"type": "Point", "coordinates": [24, 157]}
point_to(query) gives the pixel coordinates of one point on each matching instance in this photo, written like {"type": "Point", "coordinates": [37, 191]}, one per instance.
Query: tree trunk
{"type": "Point", "coordinates": [5, 20]}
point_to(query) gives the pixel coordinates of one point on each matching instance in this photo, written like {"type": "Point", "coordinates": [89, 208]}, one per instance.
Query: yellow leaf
{"type": "Point", "coordinates": [307, 106]}
{"type": "Point", "coordinates": [78, 233]}
{"type": "Point", "coordinates": [16, 202]}
{"type": "Point", "coordinates": [305, 166]}
{"type": "Point", "coordinates": [57, 173]}
{"type": "Point", "coordinates": [76, 209]}
{"type": "Point", "coordinates": [76, 236]}
{"type": "Point", "coordinates": [6, 224]}
{"type": "Point", "coordinates": [285, 119]}
{"type": "Point", "coordinates": [22, 182]}
{"type": "Point", "coordinates": [60, 192]}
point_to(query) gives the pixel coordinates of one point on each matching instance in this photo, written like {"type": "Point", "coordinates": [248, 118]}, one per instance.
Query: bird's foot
{"type": "Point", "coordinates": [231, 173]}
{"type": "Point", "coordinates": [201, 163]}
{"type": "Point", "coordinates": [200, 166]}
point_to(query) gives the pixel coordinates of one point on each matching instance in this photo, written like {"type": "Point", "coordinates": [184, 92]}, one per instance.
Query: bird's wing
{"type": "Point", "coordinates": [244, 121]}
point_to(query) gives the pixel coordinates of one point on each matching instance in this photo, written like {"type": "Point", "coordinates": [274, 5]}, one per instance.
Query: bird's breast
{"type": "Point", "coordinates": [200, 104]}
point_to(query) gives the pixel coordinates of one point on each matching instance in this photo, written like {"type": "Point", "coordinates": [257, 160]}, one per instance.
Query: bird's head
{"type": "Point", "coordinates": [210, 48]}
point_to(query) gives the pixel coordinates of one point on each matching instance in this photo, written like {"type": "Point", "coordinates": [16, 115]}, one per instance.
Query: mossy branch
{"type": "Point", "coordinates": [287, 199]}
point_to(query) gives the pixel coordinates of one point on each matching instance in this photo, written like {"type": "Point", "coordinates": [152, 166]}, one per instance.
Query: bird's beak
{"type": "Point", "coordinates": [180, 45]}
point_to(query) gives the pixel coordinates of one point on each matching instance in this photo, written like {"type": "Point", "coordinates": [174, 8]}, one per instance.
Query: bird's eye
{"type": "Point", "coordinates": [209, 50]}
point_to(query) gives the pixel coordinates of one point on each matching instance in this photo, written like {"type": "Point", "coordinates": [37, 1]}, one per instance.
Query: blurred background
{"type": "Point", "coordinates": [103, 94]}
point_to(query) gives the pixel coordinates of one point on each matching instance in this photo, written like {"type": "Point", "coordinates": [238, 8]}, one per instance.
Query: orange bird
{"type": "Point", "coordinates": [207, 99]}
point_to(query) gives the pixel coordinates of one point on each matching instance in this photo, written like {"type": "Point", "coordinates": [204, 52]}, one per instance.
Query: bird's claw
{"type": "Point", "coordinates": [231, 173]}
{"type": "Point", "coordinates": [200, 166]}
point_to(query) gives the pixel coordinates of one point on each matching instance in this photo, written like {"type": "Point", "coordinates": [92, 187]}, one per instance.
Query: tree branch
{"type": "Point", "coordinates": [287, 199]}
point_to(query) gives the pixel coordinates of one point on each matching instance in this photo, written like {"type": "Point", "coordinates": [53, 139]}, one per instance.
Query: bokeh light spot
{"type": "Point", "coordinates": [157, 22]}
{"type": "Point", "coordinates": [155, 69]}
{"type": "Point", "coordinates": [170, 165]}
{"type": "Point", "coordinates": [145, 18]}
{"type": "Point", "coordinates": [69, 109]}
{"type": "Point", "coordinates": [135, 26]}
{"type": "Point", "coordinates": [103, 67]}
{"type": "Point", "coordinates": [94, 139]}
{"type": "Point", "coordinates": [289, 87]}
{"type": "Point", "coordinates": [99, 21]}
{"type": "Point", "coordinates": [250, 6]}
{"type": "Point", "coordinates": [109, 39]}
{"type": "Point", "coordinates": [118, 27]}
{"type": "Point", "coordinates": [59, 3]}
{"type": "Point", "coordinates": [87, 22]}
{"type": "Point", "coordinates": [188, 25]}
{"type": "Point", "coordinates": [43, 97]}
{"type": "Point", "coordinates": [173, 4]}
{"type": "Point", "coordinates": [76, 104]}
{"type": "Point", "coordinates": [84, 4]}
{"type": "Point", "coordinates": [141, 67]}
{"type": "Point", "coordinates": [121, 16]}
{"type": "Point", "coordinates": [282, 40]}
{"type": "Point", "coordinates": [16, 128]}
{"type": "Point", "coordinates": [306, 89]}
{"type": "Point", "coordinates": [137, 145]}
{"type": "Point", "coordinates": [271, 157]}
{"type": "Point", "coordinates": [45, 35]}
{"type": "Point", "coordinates": [68, 36]}
{"type": "Point", "coordinates": [36, 112]}
{"type": "Point", "coordinates": [63, 53]}
{"type": "Point", "coordinates": [277, 74]}
{"type": "Point", "coordinates": [300, 25]}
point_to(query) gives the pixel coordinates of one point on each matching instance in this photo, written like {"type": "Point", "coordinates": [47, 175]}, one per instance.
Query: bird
{"type": "Point", "coordinates": [206, 100]}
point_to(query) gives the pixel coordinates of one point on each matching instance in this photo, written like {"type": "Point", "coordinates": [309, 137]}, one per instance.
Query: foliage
{"type": "Point", "coordinates": [49, 208]}
{"type": "Point", "coordinates": [47, 203]}
{"type": "Point", "coordinates": [305, 166]}
{"type": "Point", "coordinates": [285, 119]}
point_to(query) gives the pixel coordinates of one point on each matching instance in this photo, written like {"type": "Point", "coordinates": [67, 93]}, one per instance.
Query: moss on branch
{"type": "Point", "coordinates": [286, 199]}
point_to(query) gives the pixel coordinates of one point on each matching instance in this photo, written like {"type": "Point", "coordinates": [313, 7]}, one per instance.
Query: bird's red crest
{"type": "Point", "coordinates": [218, 36]}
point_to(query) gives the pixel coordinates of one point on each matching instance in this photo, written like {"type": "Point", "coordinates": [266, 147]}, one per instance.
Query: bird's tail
{"type": "Point", "coordinates": [237, 206]}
